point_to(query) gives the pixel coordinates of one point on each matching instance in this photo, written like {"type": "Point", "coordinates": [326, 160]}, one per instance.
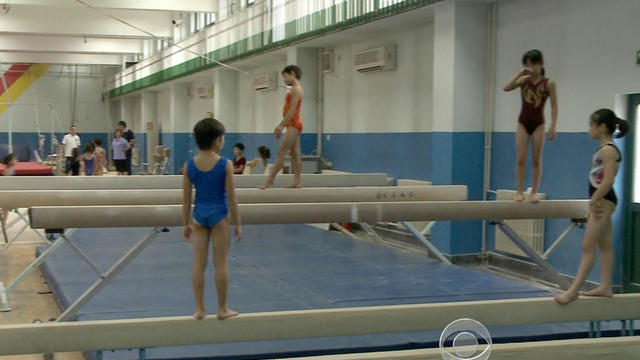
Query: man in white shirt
{"type": "Point", "coordinates": [70, 141]}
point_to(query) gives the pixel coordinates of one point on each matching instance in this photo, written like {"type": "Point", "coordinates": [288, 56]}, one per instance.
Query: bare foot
{"type": "Point", "coordinates": [599, 291]}
{"type": "Point", "coordinates": [200, 314]}
{"type": "Point", "coordinates": [519, 197]}
{"type": "Point", "coordinates": [226, 313]}
{"type": "Point", "coordinates": [294, 186]}
{"type": "Point", "coordinates": [265, 185]}
{"type": "Point", "coordinates": [534, 198]}
{"type": "Point", "coordinates": [565, 298]}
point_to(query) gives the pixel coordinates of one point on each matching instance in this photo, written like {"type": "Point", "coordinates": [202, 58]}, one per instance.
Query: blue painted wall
{"type": "Point", "coordinates": [183, 146]}
{"type": "Point", "coordinates": [31, 140]}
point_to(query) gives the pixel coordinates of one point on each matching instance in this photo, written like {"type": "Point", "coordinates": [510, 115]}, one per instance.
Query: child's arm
{"type": "Point", "coordinates": [233, 203]}
{"type": "Point", "coordinates": [252, 163]}
{"type": "Point", "coordinates": [554, 109]}
{"type": "Point", "coordinates": [517, 80]}
{"type": "Point", "coordinates": [609, 158]}
{"type": "Point", "coordinates": [82, 168]}
{"type": "Point", "coordinates": [186, 204]}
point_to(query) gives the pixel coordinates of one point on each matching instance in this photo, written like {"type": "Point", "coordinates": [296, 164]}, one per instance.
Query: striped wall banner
{"type": "Point", "coordinates": [18, 78]}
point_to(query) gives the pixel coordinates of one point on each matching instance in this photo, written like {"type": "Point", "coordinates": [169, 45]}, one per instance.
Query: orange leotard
{"type": "Point", "coordinates": [296, 122]}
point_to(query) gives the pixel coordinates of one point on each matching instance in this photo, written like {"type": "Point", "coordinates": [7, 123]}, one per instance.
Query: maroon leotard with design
{"type": "Point", "coordinates": [534, 96]}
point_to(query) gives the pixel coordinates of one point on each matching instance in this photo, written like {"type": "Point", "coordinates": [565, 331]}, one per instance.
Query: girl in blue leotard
{"type": "Point", "coordinates": [212, 176]}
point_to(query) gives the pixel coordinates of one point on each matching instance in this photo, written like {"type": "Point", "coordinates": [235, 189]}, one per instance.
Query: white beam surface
{"type": "Point", "coordinates": [171, 215]}
{"type": "Point", "coordinates": [175, 181]}
{"type": "Point", "coordinates": [627, 347]}
{"type": "Point", "coordinates": [178, 331]}
{"type": "Point", "coordinates": [29, 198]}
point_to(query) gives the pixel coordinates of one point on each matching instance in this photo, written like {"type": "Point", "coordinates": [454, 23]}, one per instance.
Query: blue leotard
{"type": "Point", "coordinates": [211, 204]}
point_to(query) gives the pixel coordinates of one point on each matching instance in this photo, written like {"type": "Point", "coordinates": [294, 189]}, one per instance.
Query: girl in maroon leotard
{"type": "Point", "coordinates": [535, 89]}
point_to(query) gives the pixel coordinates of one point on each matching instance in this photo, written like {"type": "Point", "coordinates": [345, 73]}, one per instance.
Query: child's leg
{"type": "Point", "coordinates": [606, 256]}
{"type": "Point", "coordinates": [537, 145]}
{"type": "Point", "coordinates": [596, 230]}
{"type": "Point", "coordinates": [221, 241]}
{"type": "Point", "coordinates": [287, 142]}
{"type": "Point", "coordinates": [200, 238]}
{"type": "Point", "coordinates": [522, 144]}
{"type": "Point", "coordinates": [296, 163]}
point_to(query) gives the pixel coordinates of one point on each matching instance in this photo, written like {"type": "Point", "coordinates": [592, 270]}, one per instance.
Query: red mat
{"type": "Point", "coordinates": [30, 169]}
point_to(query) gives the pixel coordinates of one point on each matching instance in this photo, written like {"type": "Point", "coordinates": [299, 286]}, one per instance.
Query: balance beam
{"type": "Point", "coordinates": [283, 325]}
{"type": "Point", "coordinates": [13, 199]}
{"type": "Point", "coordinates": [171, 215]}
{"type": "Point", "coordinates": [626, 347]}
{"type": "Point", "coordinates": [175, 181]}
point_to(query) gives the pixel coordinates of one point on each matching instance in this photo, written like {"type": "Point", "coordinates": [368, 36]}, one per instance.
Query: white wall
{"type": "Point", "coordinates": [398, 100]}
{"type": "Point", "coordinates": [589, 48]}
{"type": "Point", "coordinates": [259, 111]}
{"type": "Point", "coordinates": [164, 111]}
{"type": "Point", "coordinates": [199, 107]}
{"type": "Point", "coordinates": [56, 88]}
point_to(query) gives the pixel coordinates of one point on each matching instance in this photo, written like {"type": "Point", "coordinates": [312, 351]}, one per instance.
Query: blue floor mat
{"type": "Point", "coordinates": [277, 267]}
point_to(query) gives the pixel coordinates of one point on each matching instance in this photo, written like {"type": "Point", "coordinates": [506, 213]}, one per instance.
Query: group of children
{"type": "Point", "coordinates": [212, 176]}
{"type": "Point", "coordinates": [92, 162]}
{"type": "Point", "coordinates": [604, 125]}
{"type": "Point", "coordinates": [259, 165]}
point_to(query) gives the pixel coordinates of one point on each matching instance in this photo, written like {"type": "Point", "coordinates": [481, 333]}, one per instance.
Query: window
{"type": "Point", "coordinates": [250, 2]}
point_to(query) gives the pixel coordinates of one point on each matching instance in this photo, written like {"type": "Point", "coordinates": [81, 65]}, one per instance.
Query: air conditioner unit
{"type": "Point", "coordinates": [264, 82]}
{"type": "Point", "coordinates": [326, 61]}
{"type": "Point", "coordinates": [378, 59]}
{"type": "Point", "coordinates": [204, 92]}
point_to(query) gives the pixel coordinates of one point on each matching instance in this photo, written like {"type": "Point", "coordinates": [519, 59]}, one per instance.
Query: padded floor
{"type": "Point", "coordinates": [279, 267]}
{"type": "Point", "coordinates": [25, 168]}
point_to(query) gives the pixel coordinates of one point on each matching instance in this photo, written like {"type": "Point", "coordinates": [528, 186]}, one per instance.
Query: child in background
{"type": "Point", "coordinates": [239, 162]}
{"type": "Point", "coordinates": [9, 162]}
{"type": "Point", "coordinates": [212, 176]}
{"type": "Point", "coordinates": [119, 146]}
{"type": "Point", "coordinates": [603, 200]}
{"type": "Point", "coordinates": [74, 162]}
{"type": "Point", "coordinates": [101, 158]}
{"type": "Point", "coordinates": [88, 163]}
{"type": "Point", "coordinates": [260, 164]}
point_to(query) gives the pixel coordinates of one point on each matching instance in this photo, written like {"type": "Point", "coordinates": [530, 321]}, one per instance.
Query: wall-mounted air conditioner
{"type": "Point", "coordinates": [378, 59]}
{"type": "Point", "coordinates": [265, 82]}
{"type": "Point", "coordinates": [204, 92]}
{"type": "Point", "coordinates": [326, 61]}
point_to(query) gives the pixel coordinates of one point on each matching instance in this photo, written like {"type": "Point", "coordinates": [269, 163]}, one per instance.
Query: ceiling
{"type": "Point", "coordinates": [70, 32]}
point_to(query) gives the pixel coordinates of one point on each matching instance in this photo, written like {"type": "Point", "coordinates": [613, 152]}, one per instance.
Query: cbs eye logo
{"type": "Point", "coordinates": [465, 339]}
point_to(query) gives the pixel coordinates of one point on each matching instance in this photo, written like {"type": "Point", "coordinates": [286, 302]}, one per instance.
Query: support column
{"type": "Point", "coordinates": [460, 40]}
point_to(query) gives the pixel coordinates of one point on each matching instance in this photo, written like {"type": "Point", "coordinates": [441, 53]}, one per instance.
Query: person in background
{"type": "Point", "coordinates": [101, 158]}
{"type": "Point", "coordinates": [9, 162]}
{"type": "Point", "coordinates": [260, 164]}
{"type": "Point", "coordinates": [75, 162]}
{"type": "Point", "coordinates": [131, 139]}
{"type": "Point", "coordinates": [88, 163]}
{"type": "Point", "coordinates": [239, 162]}
{"type": "Point", "coordinates": [70, 141]}
{"type": "Point", "coordinates": [119, 147]}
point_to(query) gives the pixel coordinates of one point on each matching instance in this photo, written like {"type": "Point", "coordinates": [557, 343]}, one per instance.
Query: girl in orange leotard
{"type": "Point", "coordinates": [291, 120]}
